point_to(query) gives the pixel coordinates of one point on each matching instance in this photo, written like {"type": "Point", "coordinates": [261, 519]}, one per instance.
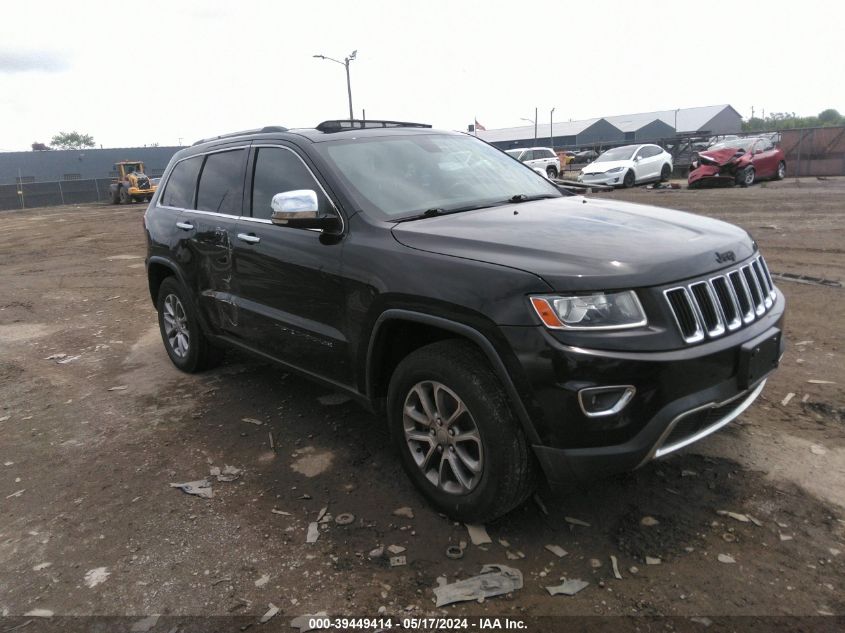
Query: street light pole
{"type": "Point", "coordinates": [532, 122]}
{"type": "Point", "coordinates": [345, 64]}
{"type": "Point", "coordinates": [552, 129]}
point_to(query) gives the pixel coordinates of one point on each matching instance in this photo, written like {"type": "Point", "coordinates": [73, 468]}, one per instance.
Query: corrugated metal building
{"type": "Point", "coordinates": [613, 130]}
{"type": "Point", "coordinates": [82, 164]}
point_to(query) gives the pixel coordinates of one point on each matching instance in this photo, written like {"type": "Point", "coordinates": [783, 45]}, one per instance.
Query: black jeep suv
{"type": "Point", "coordinates": [503, 326]}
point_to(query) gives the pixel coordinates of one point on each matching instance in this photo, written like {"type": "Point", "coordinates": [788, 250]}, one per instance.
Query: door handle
{"type": "Point", "coordinates": [249, 239]}
{"type": "Point", "coordinates": [185, 226]}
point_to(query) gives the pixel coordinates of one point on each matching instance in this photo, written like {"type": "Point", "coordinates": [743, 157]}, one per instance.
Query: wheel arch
{"type": "Point", "coordinates": [382, 358]}
{"type": "Point", "coordinates": [159, 269]}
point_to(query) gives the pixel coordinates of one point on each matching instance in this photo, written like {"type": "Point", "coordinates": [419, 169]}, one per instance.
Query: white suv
{"type": "Point", "coordinates": [538, 158]}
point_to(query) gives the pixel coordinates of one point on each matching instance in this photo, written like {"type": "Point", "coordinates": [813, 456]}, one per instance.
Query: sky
{"type": "Point", "coordinates": [171, 72]}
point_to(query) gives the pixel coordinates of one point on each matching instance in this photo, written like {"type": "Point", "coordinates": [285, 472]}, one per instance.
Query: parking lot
{"type": "Point", "coordinates": [96, 424]}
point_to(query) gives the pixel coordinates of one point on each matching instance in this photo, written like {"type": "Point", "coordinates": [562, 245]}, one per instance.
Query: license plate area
{"type": "Point", "coordinates": [758, 358]}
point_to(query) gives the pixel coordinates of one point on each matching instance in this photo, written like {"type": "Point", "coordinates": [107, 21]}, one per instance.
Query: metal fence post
{"type": "Point", "coordinates": [97, 186]}
{"type": "Point", "coordinates": [61, 193]}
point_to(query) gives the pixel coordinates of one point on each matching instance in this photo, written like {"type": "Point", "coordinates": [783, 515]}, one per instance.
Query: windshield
{"type": "Point", "coordinates": [400, 176]}
{"type": "Point", "coordinates": [617, 153]}
{"type": "Point", "coordinates": [737, 143]}
{"type": "Point", "coordinates": [514, 152]}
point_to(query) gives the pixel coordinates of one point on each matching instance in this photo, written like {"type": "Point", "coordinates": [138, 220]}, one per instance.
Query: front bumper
{"type": "Point", "coordinates": [711, 176]}
{"type": "Point", "coordinates": [135, 191]}
{"type": "Point", "coordinates": [681, 396]}
{"type": "Point", "coordinates": [613, 179]}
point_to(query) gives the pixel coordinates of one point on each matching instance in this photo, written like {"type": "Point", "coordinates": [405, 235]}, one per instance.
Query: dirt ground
{"type": "Point", "coordinates": [92, 440]}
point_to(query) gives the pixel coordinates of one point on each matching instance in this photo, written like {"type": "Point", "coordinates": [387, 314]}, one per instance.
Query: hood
{"type": "Point", "coordinates": [605, 165]}
{"type": "Point", "coordinates": [722, 156]}
{"type": "Point", "coordinates": [577, 243]}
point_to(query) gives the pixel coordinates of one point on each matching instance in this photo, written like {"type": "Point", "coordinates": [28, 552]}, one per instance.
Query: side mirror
{"type": "Point", "coordinates": [300, 209]}
{"type": "Point", "coordinates": [637, 159]}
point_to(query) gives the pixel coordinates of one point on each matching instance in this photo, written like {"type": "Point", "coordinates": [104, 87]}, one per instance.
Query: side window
{"type": "Point", "coordinates": [182, 183]}
{"type": "Point", "coordinates": [653, 150]}
{"type": "Point", "coordinates": [549, 154]}
{"type": "Point", "coordinates": [766, 145]}
{"type": "Point", "coordinates": [276, 171]}
{"type": "Point", "coordinates": [642, 152]}
{"type": "Point", "coordinates": [221, 186]}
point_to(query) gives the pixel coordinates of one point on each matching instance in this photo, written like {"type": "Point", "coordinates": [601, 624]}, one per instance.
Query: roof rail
{"type": "Point", "coordinates": [340, 125]}
{"type": "Point", "coordinates": [260, 130]}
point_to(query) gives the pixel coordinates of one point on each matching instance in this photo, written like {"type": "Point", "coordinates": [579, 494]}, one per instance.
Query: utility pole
{"type": "Point", "coordinates": [535, 126]}
{"type": "Point", "coordinates": [345, 64]}
{"type": "Point", "coordinates": [552, 129]}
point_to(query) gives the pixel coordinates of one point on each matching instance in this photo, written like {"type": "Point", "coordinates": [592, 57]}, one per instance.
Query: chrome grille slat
{"type": "Point", "coordinates": [707, 308]}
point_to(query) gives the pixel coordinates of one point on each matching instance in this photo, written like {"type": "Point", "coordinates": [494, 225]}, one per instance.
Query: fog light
{"type": "Point", "coordinates": [598, 402]}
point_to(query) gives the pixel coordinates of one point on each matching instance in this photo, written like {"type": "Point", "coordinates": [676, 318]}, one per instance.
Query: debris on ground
{"type": "Point", "coordinates": [253, 421]}
{"type": "Point", "coordinates": [615, 564]}
{"type": "Point", "coordinates": [378, 552]}
{"type": "Point", "coordinates": [265, 578]}
{"type": "Point", "coordinates": [404, 511]}
{"type": "Point", "coordinates": [96, 576]}
{"type": "Point", "coordinates": [736, 516]}
{"type": "Point", "coordinates": [302, 621]}
{"type": "Point", "coordinates": [816, 449]}
{"type": "Point", "coordinates": [821, 382]}
{"type": "Point", "coordinates": [494, 580]}
{"type": "Point", "coordinates": [514, 554]}
{"type": "Point", "coordinates": [227, 474]}
{"type": "Point", "coordinates": [568, 588]}
{"type": "Point", "coordinates": [118, 388]}
{"type": "Point", "coordinates": [726, 558]}
{"type": "Point", "coordinates": [649, 521]}
{"type": "Point", "coordinates": [786, 400]}
{"type": "Point", "coordinates": [454, 552]}
{"type": "Point", "coordinates": [478, 534]}
{"type": "Point", "coordinates": [271, 613]}
{"type": "Point", "coordinates": [595, 563]}
{"type": "Point", "coordinates": [282, 512]}
{"type": "Point", "coordinates": [634, 570]}
{"type": "Point", "coordinates": [398, 561]}
{"type": "Point", "coordinates": [344, 518]}
{"type": "Point", "coordinates": [333, 399]}
{"type": "Point", "coordinates": [785, 537]}
{"type": "Point", "coordinates": [574, 521]}
{"type": "Point", "coordinates": [652, 560]}
{"type": "Point", "coordinates": [313, 532]}
{"type": "Point", "coordinates": [41, 566]}
{"type": "Point", "coordinates": [200, 488]}
{"type": "Point", "coordinates": [145, 624]}
{"type": "Point", "coordinates": [557, 550]}
{"type": "Point", "coordinates": [56, 356]}
{"type": "Point", "coordinates": [272, 441]}
{"type": "Point", "coordinates": [39, 613]}
{"type": "Point", "coordinates": [322, 513]}
{"type": "Point", "coordinates": [17, 493]}
{"type": "Point", "coordinates": [69, 359]}
{"type": "Point", "coordinates": [395, 549]}
{"type": "Point", "coordinates": [539, 501]}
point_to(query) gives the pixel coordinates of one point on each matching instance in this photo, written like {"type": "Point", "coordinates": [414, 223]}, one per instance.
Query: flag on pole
{"type": "Point", "coordinates": [479, 127]}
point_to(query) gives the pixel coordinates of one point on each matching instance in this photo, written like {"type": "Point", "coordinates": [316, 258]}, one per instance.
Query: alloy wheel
{"type": "Point", "coordinates": [176, 326]}
{"type": "Point", "coordinates": [443, 438]}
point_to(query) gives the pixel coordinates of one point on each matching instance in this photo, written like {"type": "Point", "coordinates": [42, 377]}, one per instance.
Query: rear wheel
{"type": "Point", "coordinates": [781, 173]}
{"type": "Point", "coordinates": [629, 179]}
{"type": "Point", "coordinates": [114, 196]}
{"type": "Point", "coordinates": [184, 340]}
{"type": "Point", "coordinates": [665, 173]}
{"type": "Point", "coordinates": [457, 437]}
{"type": "Point", "coordinates": [124, 196]}
{"type": "Point", "coordinates": [551, 172]}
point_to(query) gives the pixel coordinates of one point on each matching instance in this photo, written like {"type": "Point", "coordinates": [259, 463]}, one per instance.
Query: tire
{"type": "Point", "coordinates": [114, 196]}
{"type": "Point", "coordinates": [629, 180]}
{"type": "Point", "coordinates": [780, 174]}
{"type": "Point", "coordinates": [745, 178]}
{"type": "Point", "coordinates": [494, 470]}
{"type": "Point", "coordinates": [551, 172]}
{"type": "Point", "coordinates": [124, 196]}
{"type": "Point", "coordinates": [665, 173]}
{"type": "Point", "coordinates": [189, 349]}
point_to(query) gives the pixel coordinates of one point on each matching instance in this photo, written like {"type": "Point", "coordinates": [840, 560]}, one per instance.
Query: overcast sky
{"type": "Point", "coordinates": [135, 73]}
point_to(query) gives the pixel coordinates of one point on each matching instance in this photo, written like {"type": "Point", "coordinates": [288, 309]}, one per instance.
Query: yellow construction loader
{"type": "Point", "coordinates": [131, 184]}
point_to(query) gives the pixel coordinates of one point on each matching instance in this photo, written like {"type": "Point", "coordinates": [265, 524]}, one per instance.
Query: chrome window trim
{"type": "Point", "coordinates": [749, 316]}
{"type": "Point", "coordinates": [660, 450]}
{"type": "Point", "coordinates": [247, 218]}
{"type": "Point", "coordinates": [698, 335]}
{"type": "Point", "coordinates": [720, 322]}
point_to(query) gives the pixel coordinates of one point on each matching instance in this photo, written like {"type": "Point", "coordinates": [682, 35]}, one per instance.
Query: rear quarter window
{"type": "Point", "coordinates": [182, 183]}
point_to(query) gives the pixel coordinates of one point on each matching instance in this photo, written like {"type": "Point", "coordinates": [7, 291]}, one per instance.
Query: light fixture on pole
{"type": "Point", "coordinates": [345, 64]}
{"type": "Point", "coordinates": [532, 122]}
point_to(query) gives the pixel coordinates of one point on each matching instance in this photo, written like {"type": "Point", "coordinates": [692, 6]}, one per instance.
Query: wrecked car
{"type": "Point", "coordinates": [741, 161]}
{"type": "Point", "coordinates": [504, 328]}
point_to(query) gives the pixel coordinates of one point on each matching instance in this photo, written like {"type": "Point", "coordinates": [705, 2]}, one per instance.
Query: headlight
{"type": "Point", "coordinates": [614, 170]}
{"type": "Point", "coordinates": [608, 311]}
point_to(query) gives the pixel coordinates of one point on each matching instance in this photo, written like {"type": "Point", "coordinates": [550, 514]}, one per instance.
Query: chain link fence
{"type": "Point", "coordinates": [47, 194]}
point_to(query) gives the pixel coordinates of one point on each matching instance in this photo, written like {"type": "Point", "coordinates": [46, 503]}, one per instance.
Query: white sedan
{"type": "Point", "coordinates": [628, 166]}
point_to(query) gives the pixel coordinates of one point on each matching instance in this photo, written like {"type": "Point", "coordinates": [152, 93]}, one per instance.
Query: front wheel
{"type": "Point", "coordinates": [745, 178]}
{"type": "Point", "coordinates": [124, 196]}
{"type": "Point", "coordinates": [457, 437]}
{"type": "Point", "coordinates": [184, 340]}
{"type": "Point", "coordinates": [781, 173]}
{"type": "Point", "coordinates": [665, 173]}
{"type": "Point", "coordinates": [551, 172]}
{"type": "Point", "coordinates": [629, 179]}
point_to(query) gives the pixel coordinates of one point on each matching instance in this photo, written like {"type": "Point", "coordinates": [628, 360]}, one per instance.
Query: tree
{"type": "Point", "coordinates": [39, 147]}
{"type": "Point", "coordinates": [830, 116]}
{"type": "Point", "coordinates": [72, 140]}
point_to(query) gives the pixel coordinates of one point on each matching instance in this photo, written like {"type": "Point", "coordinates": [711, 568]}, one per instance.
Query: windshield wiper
{"type": "Point", "coordinates": [521, 197]}
{"type": "Point", "coordinates": [429, 213]}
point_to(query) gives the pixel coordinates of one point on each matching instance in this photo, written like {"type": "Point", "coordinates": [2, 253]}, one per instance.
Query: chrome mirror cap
{"type": "Point", "coordinates": [292, 205]}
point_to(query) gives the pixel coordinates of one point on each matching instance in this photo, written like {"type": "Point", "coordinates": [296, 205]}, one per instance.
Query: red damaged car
{"type": "Point", "coordinates": [740, 161]}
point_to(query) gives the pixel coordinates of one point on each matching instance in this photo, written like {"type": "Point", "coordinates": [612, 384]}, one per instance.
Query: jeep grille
{"type": "Point", "coordinates": [711, 307]}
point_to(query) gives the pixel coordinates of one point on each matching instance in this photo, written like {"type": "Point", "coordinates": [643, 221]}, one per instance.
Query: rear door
{"type": "Point", "coordinates": [765, 159]}
{"type": "Point", "coordinates": [292, 293]}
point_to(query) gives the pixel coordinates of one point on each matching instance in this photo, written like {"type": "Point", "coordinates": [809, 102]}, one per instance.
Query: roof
{"type": "Point", "coordinates": [561, 128]}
